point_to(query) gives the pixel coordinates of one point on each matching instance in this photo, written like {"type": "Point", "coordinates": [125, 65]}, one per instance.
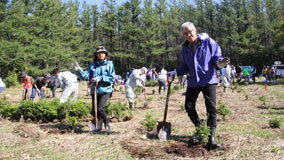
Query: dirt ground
{"type": "Point", "coordinates": [245, 134]}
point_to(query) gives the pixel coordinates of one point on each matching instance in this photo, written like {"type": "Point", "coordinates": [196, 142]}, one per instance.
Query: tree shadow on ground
{"type": "Point", "coordinates": [269, 107]}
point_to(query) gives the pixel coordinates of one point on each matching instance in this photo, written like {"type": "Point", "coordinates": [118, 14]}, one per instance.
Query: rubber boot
{"type": "Point", "coordinates": [212, 144]}
{"type": "Point", "coordinates": [107, 127]}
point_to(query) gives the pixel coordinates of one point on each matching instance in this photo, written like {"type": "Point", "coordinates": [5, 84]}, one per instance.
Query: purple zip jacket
{"type": "Point", "coordinates": [201, 65]}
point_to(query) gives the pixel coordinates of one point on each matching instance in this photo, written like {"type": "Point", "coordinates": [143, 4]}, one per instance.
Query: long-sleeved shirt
{"type": "Point", "coordinates": [104, 70]}
{"type": "Point", "coordinates": [136, 78]}
{"type": "Point", "coordinates": [200, 65]}
{"type": "Point", "coordinates": [66, 78]}
{"type": "Point", "coordinates": [27, 82]}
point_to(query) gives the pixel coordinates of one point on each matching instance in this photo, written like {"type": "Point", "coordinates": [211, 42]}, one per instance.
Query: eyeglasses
{"type": "Point", "coordinates": [188, 32]}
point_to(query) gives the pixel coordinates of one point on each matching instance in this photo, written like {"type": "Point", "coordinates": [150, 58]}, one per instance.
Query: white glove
{"type": "Point", "coordinates": [38, 90]}
{"type": "Point", "coordinates": [173, 73]}
{"type": "Point", "coordinates": [23, 84]}
{"type": "Point", "coordinates": [96, 79]}
{"type": "Point", "coordinates": [77, 67]}
{"type": "Point", "coordinates": [222, 63]}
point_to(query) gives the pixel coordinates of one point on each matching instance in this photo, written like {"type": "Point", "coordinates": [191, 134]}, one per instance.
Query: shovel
{"type": "Point", "coordinates": [96, 125]}
{"type": "Point", "coordinates": [164, 128]}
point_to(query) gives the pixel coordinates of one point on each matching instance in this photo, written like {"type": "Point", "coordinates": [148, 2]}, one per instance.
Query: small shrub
{"type": "Point", "coordinates": [9, 110]}
{"type": "Point", "coordinates": [149, 99]}
{"type": "Point", "coordinates": [275, 149]}
{"type": "Point", "coordinates": [223, 110]}
{"type": "Point", "coordinates": [246, 83]}
{"type": "Point", "coordinates": [79, 109]}
{"type": "Point", "coordinates": [182, 107]}
{"type": "Point", "coordinates": [246, 96]}
{"type": "Point", "coordinates": [177, 87]}
{"type": "Point", "coordinates": [12, 79]}
{"type": "Point", "coordinates": [118, 109]}
{"type": "Point", "coordinates": [236, 86]}
{"type": "Point", "coordinates": [73, 121]}
{"type": "Point", "coordinates": [150, 123]}
{"type": "Point", "coordinates": [275, 123]}
{"type": "Point", "coordinates": [172, 91]}
{"type": "Point", "coordinates": [202, 132]}
{"type": "Point", "coordinates": [150, 83]}
{"type": "Point", "coordinates": [138, 91]}
{"type": "Point", "coordinates": [135, 102]}
{"type": "Point", "coordinates": [120, 88]}
{"type": "Point", "coordinates": [263, 99]}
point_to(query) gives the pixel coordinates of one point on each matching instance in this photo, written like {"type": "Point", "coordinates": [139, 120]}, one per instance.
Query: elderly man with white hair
{"type": "Point", "coordinates": [136, 79]}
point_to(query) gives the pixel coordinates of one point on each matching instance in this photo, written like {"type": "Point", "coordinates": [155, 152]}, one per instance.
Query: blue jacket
{"type": "Point", "coordinates": [201, 65]}
{"type": "Point", "coordinates": [105, 71]}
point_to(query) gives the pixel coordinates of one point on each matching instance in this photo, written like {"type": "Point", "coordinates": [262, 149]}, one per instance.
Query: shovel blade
{"type": "Point", "coordinates": [95, 127]}
{"type": "Point", "coordinates": [145, 104]}
{"type": "Point", "coordinates": [164, 130]}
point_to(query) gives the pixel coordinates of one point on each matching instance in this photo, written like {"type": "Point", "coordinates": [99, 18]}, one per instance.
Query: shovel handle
{"type": "Point", "coordinates": [167, 99]}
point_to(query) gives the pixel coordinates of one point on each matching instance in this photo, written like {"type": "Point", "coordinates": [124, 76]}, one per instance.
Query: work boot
{"type": "Point", "coordinates": [212, 144]}
{"type": "Point", "coordinates": [107, 127]}
{"type": "Point", "coordinates": [131, 106]}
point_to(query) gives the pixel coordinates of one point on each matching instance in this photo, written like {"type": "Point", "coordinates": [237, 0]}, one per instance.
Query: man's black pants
{"type": "Point", "coordinates": [101, 103]}
{"type": "Point", "coordinates": [209, 93]}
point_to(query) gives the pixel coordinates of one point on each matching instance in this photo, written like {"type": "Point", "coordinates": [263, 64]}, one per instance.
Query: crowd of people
{"type": "Point", "coordinates": [202, 74]}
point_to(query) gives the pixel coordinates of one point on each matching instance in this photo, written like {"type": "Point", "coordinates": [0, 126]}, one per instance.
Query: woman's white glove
{"type": "Point", "coordinates": [96, 79]}
{"type": "Point", "coordinates": [77, 67]}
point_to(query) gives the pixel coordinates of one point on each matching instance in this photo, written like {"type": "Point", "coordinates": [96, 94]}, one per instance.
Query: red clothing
{"type": "Point", "coordinates": [27, 82]}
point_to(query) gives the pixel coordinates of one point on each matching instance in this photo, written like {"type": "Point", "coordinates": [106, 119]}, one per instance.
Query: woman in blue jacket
{"type": "Point", "coordinates": [101, 71]}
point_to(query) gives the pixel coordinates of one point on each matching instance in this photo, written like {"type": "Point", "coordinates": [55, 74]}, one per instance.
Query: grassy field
{"type": "Point", "coordinates": [245, 134]}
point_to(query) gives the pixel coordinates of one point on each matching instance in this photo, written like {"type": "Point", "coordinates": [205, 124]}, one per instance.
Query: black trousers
{"type": "Point", "coordinates": [209, 93]}
{"type": "Point", "coordinates": [101, 103]}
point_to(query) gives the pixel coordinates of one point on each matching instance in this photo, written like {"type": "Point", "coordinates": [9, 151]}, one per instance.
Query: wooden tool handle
{"type": "Point", "coordinates": [167, 99]}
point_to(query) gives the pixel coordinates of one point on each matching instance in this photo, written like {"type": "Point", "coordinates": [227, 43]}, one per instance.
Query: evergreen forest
{"type": "Point", "coordinates": [37, 36]}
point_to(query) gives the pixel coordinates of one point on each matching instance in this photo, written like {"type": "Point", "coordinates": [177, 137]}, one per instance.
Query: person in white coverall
{"type": "Point", "coordinates": [2, 85]}
{"type": "Point", "coordinates": [136, 79]}
{"type": "Point", "coordinates": [69, 83]}
{"type": "Point", "coordinates": [226, 76]}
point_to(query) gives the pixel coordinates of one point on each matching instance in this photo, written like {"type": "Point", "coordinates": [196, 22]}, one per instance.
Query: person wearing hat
{"type": "Point", "coordinates": [100, 73]}
{"type": "Point", "coordinates": [136, 79]}
{"type": "Point", "coordinates": [27, 82]}
{"type": "Point", "coordinates": [39, 85]}
{"type": "Point", "coordinates": [69, 82]}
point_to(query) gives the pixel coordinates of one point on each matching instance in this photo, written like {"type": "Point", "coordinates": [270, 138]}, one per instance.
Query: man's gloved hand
{"type": "Point", "coordinates": [77, 67]}
{"type": "Point", "coordinates": [38, 90]}
{"type": "Point", "coordinates": [222, 63]}
{"type": "Point", "coordinates": [172, 73]}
